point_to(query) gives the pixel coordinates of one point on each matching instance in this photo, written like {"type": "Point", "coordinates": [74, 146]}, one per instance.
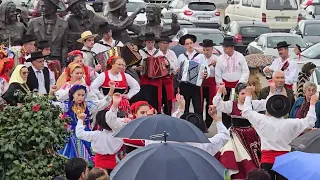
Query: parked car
{"type": "Point", "coordinates": [279, 15]}
{"type": "Point", "coordinates": [244, 32]}
{"type": "Point", "coordinates": [36, 10]}
{"type": "Point", "coordinates": [311, 54]}
{"type": "Point", "coordinates": [265, 43]}
{"type": "Point", "coordinates": [311, 12]}
{"type": "Point", "coordinates": [202, 13]}
{"type": "Point", "coordinates": [96, 4]}
{"type": "Point", "coordinates": [201, 33]}
{"type": "Point", "coordinates": [308, 30]}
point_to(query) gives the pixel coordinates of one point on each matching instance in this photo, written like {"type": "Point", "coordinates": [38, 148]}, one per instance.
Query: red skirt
{"type": "Point", "coordinates": [240, 154]}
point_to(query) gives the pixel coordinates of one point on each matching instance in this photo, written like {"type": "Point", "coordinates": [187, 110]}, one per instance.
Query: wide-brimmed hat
{"type": "Point", "coordinates": [36, 55]}
{"type": "Point", "coordinates": [207, 43]}
{"type": "Point", "coordinates": [228, 41]}
{"type": "Point", "coordinates": [114, 4]}
{"type": "Point", "coordinates": [85, 35]}
{"type": "Point", "coordinates": [187, 36]}
{"type": "Point", "coordinates": [104, 28]}
{"type": "Point", "coordinates": [165, 38]}
{"type": "Point", "coordinates": [282, 44]}
{"type": "Point", "coordinates": [71, 3]}
{"type": "Point", "coordinates": [27, 38]}
{"type": "Point", "coordinates": [149, 37]}
{"type": "Point", "coordinates": [195, 119]}
{"type": "Point", "coordinates": [56, 3]}
{"type": "Point", "coordinates": [278, 106]}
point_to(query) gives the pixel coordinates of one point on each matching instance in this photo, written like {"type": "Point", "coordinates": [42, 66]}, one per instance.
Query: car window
{"type": "Point", "coordinates": [312, 30]}
{"type": "Point", "coordinates": [282, 5]}
{"type": "Point", "coordinates": [261, 40]}
{"type": "Point", "coordinates": [292, 40]}
{"type": "Point", "coordinates": [312, 52]}
{"type": "Point", "coordinates": [133, 6]}
{"type": "Point", "coordinates": [236, 1]}
{"type": "Point", "coordinates": [233, 28]}
{"type": "Point", "coordinates": [316, 10]}
{"type": "Point", "coordinates": [256, 3]}
{"type": "Point", "coordinates": [253, 30]}
{"type": "Point", "coordinates": [202, 6]}
{"type": "Point", "coordinates": [215, 37]}
{"type": "Point", "coordinates": [247, 3]}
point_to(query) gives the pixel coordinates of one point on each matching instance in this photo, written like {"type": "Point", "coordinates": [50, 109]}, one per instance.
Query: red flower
{"type": "Point", "coordinates": [36, 108]}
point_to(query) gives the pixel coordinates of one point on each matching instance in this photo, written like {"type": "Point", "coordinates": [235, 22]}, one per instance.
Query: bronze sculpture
{"type": "Point", "coordinates": [80, 20]}
{"type": "Point", "coordinates": [52, 28]}
{"type": "Point", "coordinates": [11, 30]}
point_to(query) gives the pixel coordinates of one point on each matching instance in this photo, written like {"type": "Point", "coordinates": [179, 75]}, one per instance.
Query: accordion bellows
{"type": "Point", "coordinates": [191, 72]}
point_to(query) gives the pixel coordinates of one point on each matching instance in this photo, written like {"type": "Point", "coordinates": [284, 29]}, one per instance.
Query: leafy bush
{"type": "Point", "coordinates": [30, 137]}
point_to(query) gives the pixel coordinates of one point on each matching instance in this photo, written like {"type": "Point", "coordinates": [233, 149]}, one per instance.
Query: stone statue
{"type": "Point", "coordinates": [80, 20]}
{"type": "Point", "coordinates": [52, 28]}
{"type": "Point", "coordinates": [11, 30]}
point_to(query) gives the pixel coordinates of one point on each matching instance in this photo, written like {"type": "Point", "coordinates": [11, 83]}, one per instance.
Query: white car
{"type": "Point", "coordinates": [265, 43]}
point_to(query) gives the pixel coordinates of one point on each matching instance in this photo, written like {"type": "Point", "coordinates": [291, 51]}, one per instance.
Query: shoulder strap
{"type": "Point", "coordinates": [116, 43]}
{"type": "Point", "coordinates": [155, 52]}
{"type": "Point", "coordinates": [145, 51]}
{"type": "Point", "coordinates": [100, 42]}
{"type": "Point", "coordinates": [195, 55]}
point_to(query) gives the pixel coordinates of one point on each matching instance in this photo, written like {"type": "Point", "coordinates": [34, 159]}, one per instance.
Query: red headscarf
{"type": "Point", "coordinates": [111, 58]}
{"type": "Point", "coordinates": [75, 52]}
{"type": "Point", "coordinates": [5, 65]}
{"type": "Point", "coordinates": [135, 107]}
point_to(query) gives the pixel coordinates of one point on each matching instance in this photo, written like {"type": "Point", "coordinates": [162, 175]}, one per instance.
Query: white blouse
{"type": "Point", "coordinates": [3, 86]}
{"type": "Point", "coordinates": [63, 93]}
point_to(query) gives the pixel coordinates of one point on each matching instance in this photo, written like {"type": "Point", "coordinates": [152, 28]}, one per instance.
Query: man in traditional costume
{"type": "Point", "coordinates": [22, 53]}
{"type": "Point", "coordinates": [283, 63]}
{"type": "Point", "coordinates": [274, 131]}
{"type": "Point", "coordinates": [231, 69]}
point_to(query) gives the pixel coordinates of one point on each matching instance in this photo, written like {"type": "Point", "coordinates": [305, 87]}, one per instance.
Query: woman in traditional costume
{"type": "Point", "coordinates": [126, 85]}
{"type": "Point", "coordinates": [304, 76]}
{"type": "Point", "coordinates": [74, 73]}
{"type": "Point", "coordinates": [241, 154]}
{"type": "Point", "coordinates": [75, 106]}
{"type": "Point", "coordinates": [6, 69]}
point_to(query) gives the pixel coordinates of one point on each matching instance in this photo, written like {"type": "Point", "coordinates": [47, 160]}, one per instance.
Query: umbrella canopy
{"type": "Point", "coordinates": [308, 142]}
{"type": "Point", "coordinates": [298, 165]}
{"type": "Point", "coordinates": [258, 60]}
{"type": "Point", "coordinates": [169, 161]}
{"type": "Point", "coordinates": [177, 129]}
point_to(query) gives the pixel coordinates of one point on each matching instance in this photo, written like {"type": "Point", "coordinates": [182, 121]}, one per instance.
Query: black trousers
{"type": "Point", "coordinates": [226, 119]}
{"type": "Point", "coordinates": [167, 108]}
{"type": "Point", "coordinates": [149, 93]}
{"type": "Point", "coordinates": [206, 98]}
{"type": "Point", "coordinates": [191, 92]}
{"type": "Point", "coordinates": [274, 175]}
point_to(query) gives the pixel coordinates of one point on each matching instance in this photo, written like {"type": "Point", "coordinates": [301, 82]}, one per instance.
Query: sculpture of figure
{"type": "Point", "coordinates": [80, 20]}
{"type": "Point", "coordinates": [52, 28]}
{"type": "Point", "coordinates": [11, 30]}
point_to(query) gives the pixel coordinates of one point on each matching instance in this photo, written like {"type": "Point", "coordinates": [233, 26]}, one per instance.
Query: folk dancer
{"type": "Point", "coordinates": [167, 82]}
{"type": "Point", "coordinates": [190, 91]}
{"type": "Point", "coordinates": [87, 39]}
{"type": "Point", "coordinates": [283, 63]}
{"type": "Point", "coordinates": [150, 87]}
{"type": "Point", "coordinates": [40, 78]}
{"type": "Point", "coordinates": [242, 153]}
{"type": "Point", "coordinates": [22, 53]}
{"type": "Point", "coordinates": [274, 131]}
{"type": "Point", "coordinates": [6, 69]}
{"type": "Point", "coordinates": [209, 87]}
{"type": "Point", "coordinates": [231, 69]}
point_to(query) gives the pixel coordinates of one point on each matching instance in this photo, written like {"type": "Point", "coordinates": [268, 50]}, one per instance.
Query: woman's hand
{"type": "Point", "coordinates": [212, 111]}
{"type": "Point", "coordinates": [82, 116]}
{"type": "Point", "coordinates": [98, 68]}
{"type": "Point", "coordinates": [112, 86]}
{"type": "Point", "coordinates": [181, 101]}
{"type": "Point", "coordinates": [314, 99]}
{"type": "Point", "coordinates": [249, 90]}
{"type": "Point", "coordinates": [116, 98]}
{"type": "Point", "coordinates": [53, 89]}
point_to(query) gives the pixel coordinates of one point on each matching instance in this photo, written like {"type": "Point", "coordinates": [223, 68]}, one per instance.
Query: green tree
{"type": "Point", "coordinates": [30, 137]}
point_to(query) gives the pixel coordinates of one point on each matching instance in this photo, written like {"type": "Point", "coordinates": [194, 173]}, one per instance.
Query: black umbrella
{"type": "Point", "coordinates": [308, 142]}
{"type": "Point", "coordinates": [178, 130]}
{"type": "Point", "coordinates": [169, 161]}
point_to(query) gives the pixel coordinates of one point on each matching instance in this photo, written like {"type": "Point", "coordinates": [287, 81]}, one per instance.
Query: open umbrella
{"type": "Point", "coordinates": [258, 60]}
{"type": "Point", "coordinates": [298, 165]}
{"type": "Point", "coordinates": [169, 161]}
{"type": "Point", "coordinates": [308, 142]}
{"type": "Point", "coordinates": [178, 130]}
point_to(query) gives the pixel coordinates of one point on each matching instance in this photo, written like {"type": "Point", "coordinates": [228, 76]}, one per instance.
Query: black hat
{"type": "Point", "coordinates": [207, 43]}
{"type": "Point", "coordinates": [35, 56]}
{"type": "Point", "coordinates": [104, 28]}
{"type": "Point", "coordinates": [165, 38]}
{"type": "Point", "coordinates": [195, 119]}
{"type": "Point", "coordinates": [282, 44]}
{"type": "Point", "coordinates": [101, 120]}
{"type": "Point", "coordinates": [228, 41]}
{"type": "Point", "coordinates": [27, 38]}
{"type": "Point", "coordinates": [278, 106]}
{"type": "Point", "coordinates": [182, 40]}
{"type": "Point", "coordinates": [43, 44]}
{"type": "Point", "coordinates": [56, 3]}
{"type": "Point", "coordinates": [149, 37]}
{"type": "Point", "coordinates": [71, 3]}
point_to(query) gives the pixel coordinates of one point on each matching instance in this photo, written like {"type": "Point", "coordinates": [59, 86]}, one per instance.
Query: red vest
{"type": "Point", "coordinates": [119, 84]}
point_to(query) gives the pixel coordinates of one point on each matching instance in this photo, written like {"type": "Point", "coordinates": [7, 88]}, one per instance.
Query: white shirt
{"type": "Point", "coordinates": [276, 133]}
{"type": "Point", "coordinates": [145, 55]}
{"type": "Point", "coordinates": [63, 93]}
{"type": "Point", "coordinates": [98, 47]}
{"type": "Point", "coordinates": [232, 68]}
{"type": "Point", "coordinates": [41, 83]}
{"type": "Point", "coordinates": [210, 60]}
{"type": "Point", "coordinates": [291, 73]}
{"type": "Point", "coordinates": [172, 58]}
{"type": "Point", "coordinates": [98, 82]}
{"type": "Point", "coordinates": [200, 58]}
{"type": "Point", "coordinates": [3, 86]}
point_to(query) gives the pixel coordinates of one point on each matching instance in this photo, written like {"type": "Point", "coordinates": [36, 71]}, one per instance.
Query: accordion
{"type": "Point", "coordinates": [130, 55]}
{"type": "Point", "coordinates": [191, 72]}
{"type": "Point", "coordinates": [155, 67]}
{"type": "Point", "coordinates": [102, 57]}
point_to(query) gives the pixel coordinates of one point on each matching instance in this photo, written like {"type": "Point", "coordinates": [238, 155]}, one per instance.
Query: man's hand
{"type": "Point", "coordinates": [267, 70]}
{"type": "Point", "coordinates": [53, 89]}
{"type": "Point", "coordinates": [213, 63]}
{"type": "Point", "coordinates": [98, 68]}
{"type": "Point", "coordinates": [212, 111]}
{"type": "Point", "coordinates": [249, 90]}
{"type": "Point", "coordinates": [314, 99]}
{"type": "Point", "coordinates": [82, 116]}
{"type": "Point", "coordinates": [116, 98]}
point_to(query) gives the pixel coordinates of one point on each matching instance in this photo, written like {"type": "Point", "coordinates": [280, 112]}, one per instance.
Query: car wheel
{"type": "Point", "coordinates": [227, 20]}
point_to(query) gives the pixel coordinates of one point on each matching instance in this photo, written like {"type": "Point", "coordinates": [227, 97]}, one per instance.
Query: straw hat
{"type": "Point", "coordinates": [85, 35]}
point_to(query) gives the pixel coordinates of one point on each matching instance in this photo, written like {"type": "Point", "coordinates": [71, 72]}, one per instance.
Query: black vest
{"type": "Point", "coordinates": [32, 80]}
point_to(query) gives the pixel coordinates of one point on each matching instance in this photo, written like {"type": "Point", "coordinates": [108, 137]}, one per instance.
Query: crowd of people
{"type": "Point", "coordinates": [252, 131]}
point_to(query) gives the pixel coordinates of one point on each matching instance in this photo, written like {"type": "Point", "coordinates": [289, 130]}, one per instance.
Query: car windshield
{"type": "Point", "coordinates": [282, 5]}
{"type": "Point", "coordinates": [215, 37]}
{"type": "Point", "coordinates": [312, 52]}
{"type": "Point", "coordinates": [202, 6]}
{"type": "Point", "coordinates": [292, 40]}
{"type": "Point", "coordinates": [133, 6]}
{"type": "Point", "coordinates": [254, 30]}
{"type": "Point", "coordinates": [312, 30]}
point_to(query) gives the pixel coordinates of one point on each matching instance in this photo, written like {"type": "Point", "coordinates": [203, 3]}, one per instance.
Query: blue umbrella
{"type": "Point", "coordinates": [168, 161]}
{"type": "Point", "coordinates": [298, 165]}
{"type": "Point", "coordinates": [178, 130]}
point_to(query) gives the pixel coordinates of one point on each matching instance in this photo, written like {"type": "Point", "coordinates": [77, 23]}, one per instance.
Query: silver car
{"type": "Point", "coordinates": [202, 13]}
